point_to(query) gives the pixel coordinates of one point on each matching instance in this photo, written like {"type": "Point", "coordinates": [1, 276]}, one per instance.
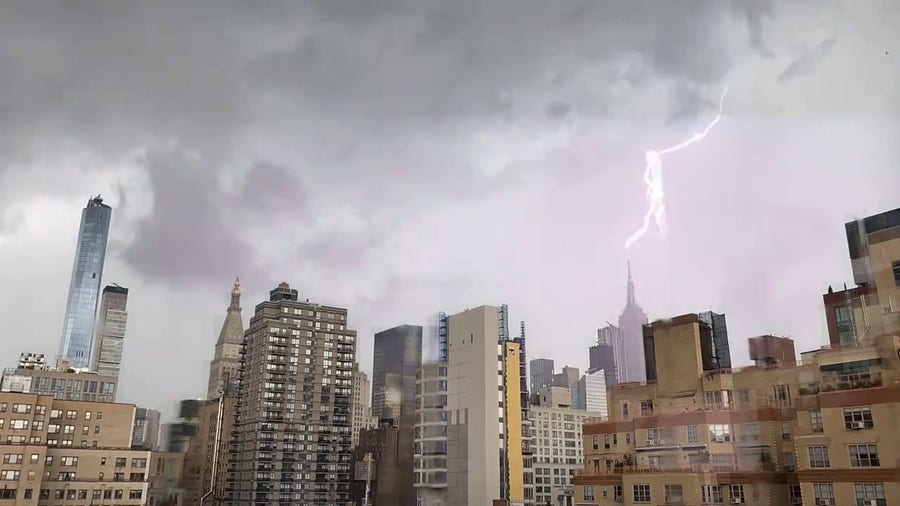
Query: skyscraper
{"type": "Point", "coordinates": [226, 361]}
{"type": "Point", "coordinates": [110, 340]}
{"type": "Point", "coordinates": [362, 411]}
{"type": "Point", "coordinates": [540, 375]}
{"type": "Point", "coordinates": [630, 322]}
{"type": "Point", "coordinates": [292, 425]}
{"type": "Point", "coordinates": [84, 287]}
{"type": "Point", "coordinates": [610, 340]}
{"type": "Point", "coordinates": [601, 356]}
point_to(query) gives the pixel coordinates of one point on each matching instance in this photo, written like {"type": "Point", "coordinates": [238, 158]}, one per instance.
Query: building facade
{"type": "Point", "coordinates": [556, 442]}
{"type": "Point", "coordinates": [206, 459]}
{"type": "Point", "coordinates": [73, 452]}
{"type": "Point", "coordinates": [567, 378]}
{"type": "Point", "coordinates": [430, 454]}
{"type": "Point", "coordinates": [109, 344]}
{"type": "Point", "coordinates": [76, 342]}
{"type": "Point", "coordinates": [770, 434]}
{"type": "Point", "coordinates": [602, 356]}
{"type": "Point", "coordinates": [295, 388]}
{"type": "Point", "coordinates": [227, 356]}
{"type": "Point", "coordinates": [589, 393]}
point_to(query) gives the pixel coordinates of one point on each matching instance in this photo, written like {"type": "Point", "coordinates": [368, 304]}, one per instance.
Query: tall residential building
{"type": "Point", "coordinates": [488, 450]}
{"type": "Point", "coordinates": [110, 341]}
{"type": "Point", "coordinates": [145, 433]}
{"type": "Point", "coordinates": [714, 350]}
{"type": "Point", "coordinates": [361, 410]}
{"type": "Point", "coordinates": [868, 309]}
{"type": "Point", "coordinates": [60, 382]}
{"type": "Point", "coordinates": [631, 321]}
{"type": "Point", "coordinates": [776, 433]}
{"type": "Point", "coordinates": [540, 375]}
{"type": "Point", "coordinates": [76, 342]}
{"type": "Point", "coordinates": [75, 452]}
{"type": "Point", "coordinates": [295, 388]}
{"type": "Point", "coordinates": [397, 357]}
{"type": "Point", "coordinates": [589, 393]}
{"type": "Point", "coordinates": [430, 458]}
{"type": "Point", "coordinates": [226, 360]}
{"type": "Point", "coordinates": [557, 452]}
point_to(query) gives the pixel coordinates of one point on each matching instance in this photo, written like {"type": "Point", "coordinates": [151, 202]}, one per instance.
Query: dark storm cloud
{"type": "Point", "coordinates": [755, 12]}
{"type": "Point", "coordinates": [808, 61]}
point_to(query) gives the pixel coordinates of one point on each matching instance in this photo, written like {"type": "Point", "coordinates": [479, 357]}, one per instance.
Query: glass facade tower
{"type": "Point", "coordinates": [84, 288]}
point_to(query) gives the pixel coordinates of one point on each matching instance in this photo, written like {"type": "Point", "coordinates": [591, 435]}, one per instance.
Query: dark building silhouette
{"type": "Point", "coordinates": [630, 322]}
{"type": "Point", "coordinates": [603, 356]}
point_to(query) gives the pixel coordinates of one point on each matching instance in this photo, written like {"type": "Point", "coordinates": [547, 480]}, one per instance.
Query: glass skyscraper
{"type": "Point", "coordinates": [84, 288]}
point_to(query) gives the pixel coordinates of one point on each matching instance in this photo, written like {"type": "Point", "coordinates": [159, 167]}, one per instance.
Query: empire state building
{"type": "Point", "coordinates": [631, 322]}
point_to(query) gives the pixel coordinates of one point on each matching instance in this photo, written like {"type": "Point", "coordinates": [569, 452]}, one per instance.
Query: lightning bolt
{"type": "Point", "coordinates": [653, 178]}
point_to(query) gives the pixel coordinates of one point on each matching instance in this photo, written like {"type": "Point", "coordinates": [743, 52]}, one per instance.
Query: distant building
{"type": "Point", "coordinates": [77, 338]}
{"type": "Point", "coordinates": [609, 354]}
{"type": "Point", "coordinates": [362, 411]}
{"type": "Point", "coordinates": [206, 459]}
{"type": "Point", "coordinates": [558, 452]}
{"type": "Point", "coordinates": [430, 457]}
{"type": "Point", "coordinates": [176, 436]}
{"type": "Point", "coordinates": [61, 382]}
{"type": "Point", "coordinates": [631, 322]}
{"type": "Point", "coordinates": [555, 397]}
{"type": "Point", "coordinates": [567, 378]}
{"type": "Point", "coordinates": [540, 375]}
{"type": "Point", "coordinates": [227, 356]}
{"type": "Point", "coordinates": [601, 356]}
{"type": "Point", "coordinates": [714, 350]}
{"type": "Point", "coordinates": [146, 429]}
{"type": "Point", "coordinates": [589, 393]}
{"type": "Point", "coordinates": [109, 342]}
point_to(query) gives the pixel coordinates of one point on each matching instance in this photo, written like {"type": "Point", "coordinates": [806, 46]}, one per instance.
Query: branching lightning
{"type": "Point", "coordinates": [653, 177]}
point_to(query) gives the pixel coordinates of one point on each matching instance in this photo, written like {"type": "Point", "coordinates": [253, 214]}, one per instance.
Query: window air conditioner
{"type": "Point", "coordinates": [871, 502]}
{"type": "Point", "coordinates": [858, 425]}
{"type": "Point", "coordinates": [789, 468]}
{"type": "Point", "coordinates": [737, 500]}
{"type": "Point", "coordinates": [823, 502]}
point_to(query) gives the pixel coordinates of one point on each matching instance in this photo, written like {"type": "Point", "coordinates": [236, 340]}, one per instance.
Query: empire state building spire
{"type": "Point", "coordinates": [630, 286]}
{"type": "Point", "coordinates": [631, 322]}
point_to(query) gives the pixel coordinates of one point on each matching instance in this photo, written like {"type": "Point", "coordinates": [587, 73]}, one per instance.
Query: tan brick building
{"type": "Point", "coordinates": [821, 431]}
{"type": "Point", "coordinates": [78, 453]}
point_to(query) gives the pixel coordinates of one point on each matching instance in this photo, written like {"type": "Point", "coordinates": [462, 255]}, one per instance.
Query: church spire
{"type": "Point", "coordinates": [236, 295]}
{"type": "Point", "coordinates": [630, 285]}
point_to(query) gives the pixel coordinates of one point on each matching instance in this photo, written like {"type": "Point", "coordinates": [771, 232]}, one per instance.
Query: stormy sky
{"type": "Point", "coordinates": [400, 157]}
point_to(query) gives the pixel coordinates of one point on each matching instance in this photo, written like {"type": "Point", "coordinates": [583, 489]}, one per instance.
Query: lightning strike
{"type": "Point", "coordinates": [653, 178]}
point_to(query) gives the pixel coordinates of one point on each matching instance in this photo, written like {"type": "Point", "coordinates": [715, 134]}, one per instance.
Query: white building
{"type": "Point", "coordinates": [589, 393]}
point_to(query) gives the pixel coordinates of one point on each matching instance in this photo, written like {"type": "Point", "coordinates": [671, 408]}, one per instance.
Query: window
{"type": "Point", "coordinates": [647, 407]}
{"type": "Point", "coordinates": [674, 494]}
{"type": "Point", "coordinates": [595, 440]}
{"type": "Point", "coordinates": [818, 456]}
{"type": "Point", "coordinates": [628, 438]}
{"type": "Point", "coordinates": [8, 493]}
{"type": "Point", "coordinates": [641, 493]}
{"type": "Point", "coordinates": [785, 430]}
{"type": "Point", "coordinates": [782, 394]}
{"type": "Point", "coordinates": [139, 463]}
{"type": "Point", "coordinates": [789, 463]}
{"type": "Point", "coordinates": [120, 462]}
{"type": "Point", "coordinates": [711, 494]}
{"type": "Point", "coordinates": [66, 476]}
{"type": "Point", "coordinates": [588, 493]}
{"type": "Point", "coordinates": [18, 424]}
{"type": "Point", "coordinates": [118, 494]}
{"type": "Point", "coordinates": [68, 461]}
{"type": "Point", "coordinates": [737, 494]}
{"type": "Point", "coordinates": [625, 410]}
{"type": "Point", "coordinates": [750, 432]}
{"type": "Point", "coordinates": [824, 493]}
{"type": "Point", "coordinates": [82, 493]}
{"type": "Point", "coordinates": [21, 408]}
{"type": "Point", "coordinates": [843, 316]}
{"type": "Point", "coordinates": [55, 413]}
{"type": "Point", "coordinates": [864, 455]}
{"type": "Point", "coordinates": [9, 475]}
{"type": "Point", "coordinates": [693, 434]}
{"type": "Point", "coordinates": [866, 492]}
{"type": "Point", "coordinates": [12, 458]}
{"type": "Point", "coordinates": [87, 415]}
{"type": "Point", "coordinates": [719, 433]}
{"type": "Point", "coordinates": [815, 420]}
{"type": "Point", "coordinates": [895, 266]}
{"type": "Point", "coordinates": [34, 458]}
{"type": "Point", "coordinates": [136, 494]}
{"type": "Point", "coordinates": [858, 418]}
{"type": "Point", "coordinates": [722, 461]}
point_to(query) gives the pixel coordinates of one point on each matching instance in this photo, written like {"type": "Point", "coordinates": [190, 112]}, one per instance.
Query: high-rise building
{"type": "Point", "coordinates": [59, 451]}
{"type": "Point", "coordinates": [430, 459]}
{"type": "Point", "coordinates": [602, 356]}
{"type": "Point", "coordinates": [589, 393]}
{"type": "Point", "coordinates": [397, 357]}
{"type": "Point", "coordinates": [361, 409]}
{"type": "Point", "coordinates": [226, 359]}
{"type": "Point", "coordinates": [84, 288]}
{"type": "Point", "coordinates": [567, 378]}
{"type": "Point", "coordinates": [145, 433]}
{"type": "Point", "coordinates": [295, 388]}
{"type": "Point", "coordinates": [486, 444]}
{"type": "Point", "coordinates": [176, 437]}
{"type": "Point", "coordinates": [610, 341]}
{"type": "Point", "coordinates": [631, 321]}
{"type": "Point", "coordinates": [540, 375]}
{"type": "Point", "coordinates": [206, 459]}
{"type": "Point", "coordinates": [110, 341]}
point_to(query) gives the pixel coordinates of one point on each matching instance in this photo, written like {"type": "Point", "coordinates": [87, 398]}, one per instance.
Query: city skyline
{"type": "Point", "coordinates": [501, 146]}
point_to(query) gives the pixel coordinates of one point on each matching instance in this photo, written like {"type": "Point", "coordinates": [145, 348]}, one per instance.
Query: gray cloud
{"type": "Point", "coordinates": [808, 61]}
